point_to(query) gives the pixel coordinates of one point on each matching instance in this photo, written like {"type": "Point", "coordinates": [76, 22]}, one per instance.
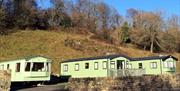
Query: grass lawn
{"type": "Point", "coordinates": [52, 45]}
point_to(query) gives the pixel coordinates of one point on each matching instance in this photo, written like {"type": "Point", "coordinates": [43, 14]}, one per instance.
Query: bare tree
{"type": "Point", "coordinates": [115, 20]}
{"type": "Point", "coordinates": [103, 11]}
{"type": "Point", "coordinates": [173, 28]}
{"type": "Point", "coordinates": [151, 24]}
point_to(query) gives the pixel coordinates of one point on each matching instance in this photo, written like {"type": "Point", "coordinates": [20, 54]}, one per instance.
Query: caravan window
{"type": "Point", "coordinates": [168, 64]}
{"type": "Point", "coordinates": [96, 65]}
{"type": "Point", "coordinates": [171, 64]}
{"type": "Point", "coordinates": [165, 64]}
{"type": "Point", "coordinates": [76, 67]}
{"type": "Point", "coordinates": [47, 66]}
{"type": "Point", "coordinates": [38, 67]}
{"type": "Point", "coordinates": [7, 66]}
{"type": "Point", "coordinates": [153, 65]}
{"type": "Point", "coordinates": [86, 65]}
{"type": "Point", "coordinates": [140, 65]}
{"type": "Point", "coordinates": [18, 66]}
{"type": "Point", "coordinates": [104, 65]}
{"type": "Point", "coordinates": [27, 66]}
{"type": "Point", "coordinates": [112, 65]}
{"type": "Point", "coordinates": [65, 67]}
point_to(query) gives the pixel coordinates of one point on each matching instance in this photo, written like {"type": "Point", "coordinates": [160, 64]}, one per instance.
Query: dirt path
{"type": "Point", "coordinates": [89, 37]}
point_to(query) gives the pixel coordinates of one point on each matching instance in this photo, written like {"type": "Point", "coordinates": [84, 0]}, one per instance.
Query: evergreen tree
{"type": "Point", "coordinates": [125, 33]}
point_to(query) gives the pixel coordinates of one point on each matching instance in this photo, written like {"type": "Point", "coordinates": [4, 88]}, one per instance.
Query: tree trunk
{"type": "Point", "coordinates": [152, 43]}
{"type": "Point", "coordinates": [144, 48]}
{"type": "Point", "coordinates": [152, 46]}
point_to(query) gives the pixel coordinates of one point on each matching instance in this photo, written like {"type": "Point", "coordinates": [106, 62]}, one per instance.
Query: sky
{"type": "Point", "coordinates": [168, 7]}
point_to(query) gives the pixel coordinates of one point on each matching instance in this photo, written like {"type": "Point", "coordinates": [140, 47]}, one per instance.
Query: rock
{"type": "Point", "coordinates": [73, 43]}
{"type": "Point", "coordinates": [5, 80]}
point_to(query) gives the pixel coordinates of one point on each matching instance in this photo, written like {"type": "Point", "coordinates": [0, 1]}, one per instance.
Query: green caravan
{"type": "Point", "coordinates": [28, 69]}
{"type": "Point", "coordinates": [155, 65]}
{"type": "Point", "coordinates": [117, 65]}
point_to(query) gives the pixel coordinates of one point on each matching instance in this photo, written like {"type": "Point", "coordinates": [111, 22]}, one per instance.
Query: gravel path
{"type": "Point", "coordinates": [57, 87]}
{"type": "Point", "coordinates": [60, 88]}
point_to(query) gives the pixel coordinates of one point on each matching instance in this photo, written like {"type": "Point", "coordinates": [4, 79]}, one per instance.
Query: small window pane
{"type": "Point", "coordinates": [165, 64]}
{"type": "Point", "coordinates": [112, 65]}
{"type": "Point", "coordinates": [171, 64]}
{"type": "Point", "coordinates": [38, 67]}
{"type": "Point", "coordinates": [104, 65]}
{"type": "Point", "coordinates": [140, 66]}
{"type": "Point", "coordinates": [18, 65]}
{"type": "Point", "coordinates": [76, 67]}
{"type": "Point", "coordinates": [96, 65]}
{"type": "Point", "coordinates": [153, 65]}
{"type": "Point", "coordinates": [65, 68]}
{"type": "Point", "coordinates": [86, 65]}
{"type": "Point", "coordinates": [28, 65]}
{"type": "Point", "coordinates": [47, 66]}
{"type": "Point", "coordinates": [7, 66]}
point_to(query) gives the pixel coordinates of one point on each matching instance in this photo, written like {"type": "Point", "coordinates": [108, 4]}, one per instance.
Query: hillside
{"type": "Point", "coordinates": [60, 46]}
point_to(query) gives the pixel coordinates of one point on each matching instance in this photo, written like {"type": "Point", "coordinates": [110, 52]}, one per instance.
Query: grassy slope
{"type": "Point", "coordinates": [51, 44]}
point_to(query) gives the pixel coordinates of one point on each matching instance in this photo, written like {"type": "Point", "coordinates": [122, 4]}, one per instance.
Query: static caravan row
{"type": "Point", "coordinates": [117, 65]}
{"type": "Point", "coordinates": [29, 69]}
{"type": "Point", "coordinates": [38, 68]}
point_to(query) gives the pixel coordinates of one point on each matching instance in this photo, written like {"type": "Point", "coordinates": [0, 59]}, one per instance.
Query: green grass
{"type": "Point", "coordinates": [51, 44]}
{"type": "Point", "coordinates": [26, 43]}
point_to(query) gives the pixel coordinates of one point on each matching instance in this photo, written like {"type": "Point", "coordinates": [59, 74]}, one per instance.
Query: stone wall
{"type": "Point", "coordinates": [5, 80]}
{"type": "Point", "coordinates": [143, 83]}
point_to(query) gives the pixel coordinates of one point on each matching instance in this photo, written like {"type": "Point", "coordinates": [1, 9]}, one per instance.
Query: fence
{"type": "Point", "coordinates": [126, 72]}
